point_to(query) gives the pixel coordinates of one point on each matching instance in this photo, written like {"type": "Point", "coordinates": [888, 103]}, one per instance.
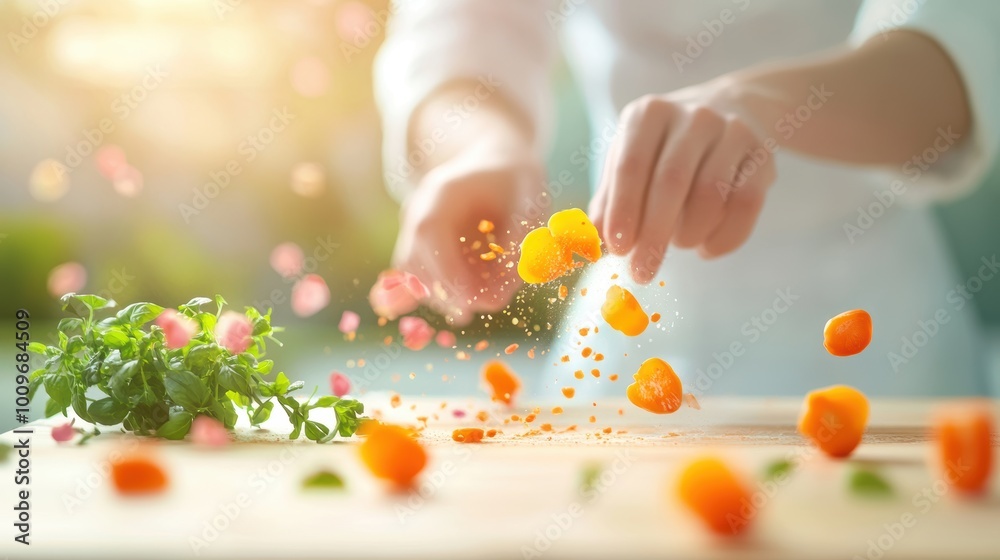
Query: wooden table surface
{"type": "Point", "coordinates": [516, 496]}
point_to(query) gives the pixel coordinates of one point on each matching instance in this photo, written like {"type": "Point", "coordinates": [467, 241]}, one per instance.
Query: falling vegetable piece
{"type": "Point", "coordinates": [468, 435]}
{"type": "Point", "coordinates": [485, 226]}
{"type": "Point", "coordinates": [547, 252]}
{"type": "Point", "coordinates": [502, 382]}
{"type": "Point", "coordinates": [963, 434]}
{"type": "Point", "coordinates": [710, 489]}
{"type": "Point", "coordinates": [574, 231]}
{"type": "Point", "coordinates": [542, 258]}
{"type": "Point", "coordinates": [834, 418]}
{"type": "Point", "coordinates": [568, 392]}
{"type": "Point", "coordinates": [849, 333]}
{"type": "Point", "coordinates": [138, 475]}
{"type": "Point", "coordinates": [391, 454]}
{"type": "Point", "coordinates": [656, 389]}
{"type": "Point", "coordinates": [622, 311]}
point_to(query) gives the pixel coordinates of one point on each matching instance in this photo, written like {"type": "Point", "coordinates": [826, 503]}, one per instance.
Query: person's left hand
{"type": "Point", "coordinates": [680, 171]}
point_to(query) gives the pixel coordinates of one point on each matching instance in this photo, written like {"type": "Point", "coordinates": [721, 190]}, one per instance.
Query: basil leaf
{"type": "Point", "coordinates": [323, 480]}
{"type": "Point", "coordinates": [186, 389]}
{"type": "Point", "coordinates": [262, 413]}
{"type": "Point", "coordinates": [869, 484]}
{"type": "Point", "coordinates": [107, 411]}
{"type": "Point", "coordinates": [177, 427]}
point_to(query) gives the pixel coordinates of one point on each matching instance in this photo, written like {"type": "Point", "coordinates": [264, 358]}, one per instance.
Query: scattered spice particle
{"type": "Point", "coordinates": [655, 317]}
{"type": "Point", "coordinates": [462, 355]}
{"type": "Point", "coordinates": [510, 349]}
{"type": "Point", "coordinates": [586, 352]}
{"type": "Point", "coordinates": [529, 418]}
{"type": "Point", "coordinates": [564, 359]}
{"type": "Point", "coordinates": [485, 226]}
{"type": "Point", "coordinates": [662, 283]}
{"type": "Point", "coordinates": [584, 331]}
{"type": "Point", "coordinates": [595, 330]}
{"type": "Point", "coordinates": [583, 291]}
{"type": "Point", "coordinates": [593, 419]}
{"type": "Point", "coordinates": [395, 401]}
{"type": "Point", "coordinates": [491, 433]}
{"type": "Point", "coordinates": [467, 435]}
{"type": "Point", "coordinates": [476, 245]}
{"type": "Point", "coordinates": [515, 418]}
{"type": "Point", "coordinates": [595, 372]}
{"type": "Point", "coordinates": [578, 374]}
{"type": "Point", "coordinates": [491, 256]}
{"type": "Point", "coordinates": [557, 410]}
{"type": "Point", "coordinates": [571, 428]}
{"type": "Point", "coordinates": [691, 401]}
{"type": "Point", "coordinates": [613, 377]}
{"type": "Point", "coordinates": [563, 292]}
{"type": "Point", "coordinates": [482, 345]}
{"type": "Point", "coordinates": [568, 392]}
{"type": "Point", "coordinates": [482, 416]}
{"type": "Point", "coordinates": [382, 321]}
{"type": "Point", "coordinates": [607, 430]}
{"type": "Point", "coordinates": [621, 412]}
{"type": "Point", "coordinates": [496, 248]}
{"type": "Point", "coordinates": [546, 427]}
{"type": "Point", "coordinates": [531, 353]}
{"type": "Point", "coordinates": [598, 357]}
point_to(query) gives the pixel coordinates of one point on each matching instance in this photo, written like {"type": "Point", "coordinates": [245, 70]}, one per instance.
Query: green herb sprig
{"type": "Point", "coordinates": [153, 390]}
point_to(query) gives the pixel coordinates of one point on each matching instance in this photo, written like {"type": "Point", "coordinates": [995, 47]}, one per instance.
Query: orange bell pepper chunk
{"type": "Point", "coordinates": [622, 311]}
{"type": "Point", "coordinates": [390, 453]}
{"type": "Point", "coordinates": [834, 418]}
{"type": "Point", "coordinates": [138, 475]}
{"type": "Point", "coordinates": [656, 389]}
{"type": "Point", "coordinates": [964, 438]}
{"type": "Point", "coordinates": [849, 333]}
{"type": "Point", "coordinates": [710, 489]}
{"type": "Point", "coordinates": [503, 383]}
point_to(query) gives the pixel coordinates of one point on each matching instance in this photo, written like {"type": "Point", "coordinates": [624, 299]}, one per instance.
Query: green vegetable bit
{"type": "Point", "coordinates": [778, 469]}
{"type": "Point", "coordinates": [153, 390]}
{"type": "Point", "coordinates": [869, 484]}
{"type": "Point", "coordinates": [324, 480]}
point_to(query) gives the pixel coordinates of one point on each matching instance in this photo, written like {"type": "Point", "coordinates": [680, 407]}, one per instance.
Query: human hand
{"type": "Point", "coordinates": [485, 182]}
{"type": "Point", "coordinates": [680, 172]}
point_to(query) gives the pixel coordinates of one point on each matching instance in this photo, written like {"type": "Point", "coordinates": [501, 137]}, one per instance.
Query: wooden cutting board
{"type": "Point", "coordinates": [515, 496]}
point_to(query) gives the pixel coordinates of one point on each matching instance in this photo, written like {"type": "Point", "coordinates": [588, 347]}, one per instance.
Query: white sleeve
{"type": "Point", "coordinates": [969, 32]}
{"type": "Point", "coordinates": [505, 45]}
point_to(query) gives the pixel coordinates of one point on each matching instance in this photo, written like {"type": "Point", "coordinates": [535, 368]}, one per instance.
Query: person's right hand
{"type": "Point", "coordinates": [483, 182]}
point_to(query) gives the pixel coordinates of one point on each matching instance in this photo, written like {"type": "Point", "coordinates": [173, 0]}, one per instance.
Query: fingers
{"type": "Point", "coordinates": [645, 123]}
{"type": "Point", "coordinates": [704, 208]}
{"type": "Point", "coordinates": [687, 145]}
{"type": "Point", "coordinates": [743, 208]}
{"type": "Point", "coordinates": [598, 205]}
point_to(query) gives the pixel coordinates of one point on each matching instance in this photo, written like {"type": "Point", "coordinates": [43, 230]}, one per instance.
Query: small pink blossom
{"type": "Point", "coordinates": [67, 278]}
{"type": "Point", "coordinates": [446, 339]}
{"type": "Point", "coordinates": [458, 413]}
{"type": "Point", "coordinates": [64, 432]}
{"type": "Point", "coordinates": [396, 293]}
{"type": "Point", "coordinates": [209, 432]}
{"type": "Point", "coordinates": [310, 295]}
{"type": "Point", "coordinates": [287, 259]}
{"type": "Point", "coordinates": [111, 161]}
{"type": "Point", "coordinates": [177, 329]}
{"type": "Point", "coordinates": [233, 331]}
{"type": "Point", "coordinates": [349, 322]}
{"type": "Point", "coordinates": [416, 332]}
{"type": "Point", "coordinates": [340, 384]}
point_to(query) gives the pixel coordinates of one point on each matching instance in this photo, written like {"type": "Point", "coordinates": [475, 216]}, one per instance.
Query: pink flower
{"type": "Point", "coordinates": [209, 432]}
{"type": "Point", "coordinates": [446, 339]}
{"type": "Point", "coordinates": [396, 293]}
{"type": "Point", "coordinates": [416, 332]}
{"type": "Point", "coordinates": [349, 322]}
{"type": "Point", "coordinates": [67, 278]}
{"type": "Point", "coordinates": [310, 295]}
{"type": "Point", "coordinates": [177, 329]}
{"type": "Point", "coordinates": [287, 259]}
{"type": "Point", "coordinates": [340, 385]}
{"type": "Point", "coordinates": [233, 332]}
{"type": "Point", "coordinates": [458, 413]}
{"type": "Point", "coordinates": [111, 161]}
{"type": "Point", "coordinates": [65, 432]}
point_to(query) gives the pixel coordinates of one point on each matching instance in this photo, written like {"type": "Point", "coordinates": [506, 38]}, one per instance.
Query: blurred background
{"type": "Point", "coordinates": [156, 151]}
